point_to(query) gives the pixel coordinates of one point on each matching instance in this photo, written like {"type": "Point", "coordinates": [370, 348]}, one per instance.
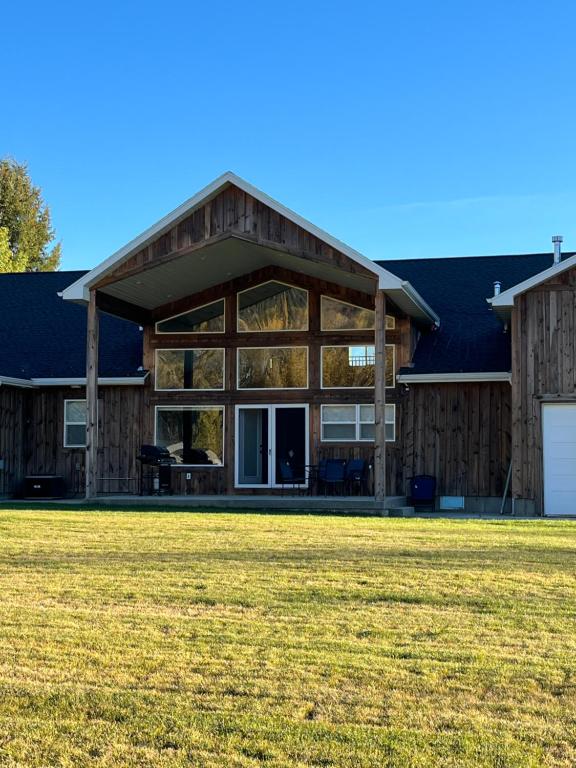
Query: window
{"type": "Point", "coordinates": [338, 315]}
{"type": "Point", "coordinates": [193, 435]}
{"type": "Point", "coordinates": [189, 369]}
{"type": "Point", "coordinates": [208, 318]}
{"type": "Point", "coordinates": [353, 366]}
{"type": "Point", "coordinates": [74, 423]}
{"type": "Point", "coordinates": [273, 306]}
{"type": "Point", "coordinates": [273, 368]}
{"type": "Point", "coordinates": [346, 423]}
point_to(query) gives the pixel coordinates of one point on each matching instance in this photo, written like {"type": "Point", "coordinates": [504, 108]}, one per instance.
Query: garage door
{"type": "Point", "coordinates": [559, 433]}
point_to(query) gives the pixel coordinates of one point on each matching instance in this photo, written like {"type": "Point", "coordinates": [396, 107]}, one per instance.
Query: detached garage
{"type": "Point", "coordinates": [559, 444]}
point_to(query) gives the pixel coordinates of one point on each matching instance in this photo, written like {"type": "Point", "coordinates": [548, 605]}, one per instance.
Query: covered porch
{"type": "Point", "coordinates": [227, 238]}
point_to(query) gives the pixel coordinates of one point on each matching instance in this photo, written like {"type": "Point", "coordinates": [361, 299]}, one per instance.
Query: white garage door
{"type": "Point", "coordinates": [559, 432]}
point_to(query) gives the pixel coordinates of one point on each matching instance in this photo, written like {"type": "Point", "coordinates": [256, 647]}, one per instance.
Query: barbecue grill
{"type": "Point", "coordinates": [155, 470]}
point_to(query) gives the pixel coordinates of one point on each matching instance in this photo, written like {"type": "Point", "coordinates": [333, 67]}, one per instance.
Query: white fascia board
{"type": "Point", "coordinates": [79, 291]}
{"type": "Point", "coordinates": [505, 300]}
{"type": "Point", "coordinates": [110, 381]}
{"type": "Point", "coordinates": [413, 294]}
{"type": "Point", "coordinates": [445, 378]}
{"type": "Point", "coordinates": [10, 381]}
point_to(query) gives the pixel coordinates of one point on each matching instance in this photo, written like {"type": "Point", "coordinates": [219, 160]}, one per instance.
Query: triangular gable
{"type": "Point", "coordinates": [505, 301]}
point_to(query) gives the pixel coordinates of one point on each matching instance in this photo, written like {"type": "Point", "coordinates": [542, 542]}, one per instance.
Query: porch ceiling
{"type": "Point", "coordinates": [217, 263]}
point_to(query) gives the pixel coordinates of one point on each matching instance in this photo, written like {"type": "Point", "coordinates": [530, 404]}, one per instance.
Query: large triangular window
{"type": "Point", "coordinates": [208, 318]}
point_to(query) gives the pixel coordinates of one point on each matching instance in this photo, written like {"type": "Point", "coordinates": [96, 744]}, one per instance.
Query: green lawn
{"type": "Point", "coordinates": [174, 639]}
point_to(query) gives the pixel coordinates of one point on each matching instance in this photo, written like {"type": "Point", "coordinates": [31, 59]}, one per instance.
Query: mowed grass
{"type": "Point", "coordinates": [175, 639]}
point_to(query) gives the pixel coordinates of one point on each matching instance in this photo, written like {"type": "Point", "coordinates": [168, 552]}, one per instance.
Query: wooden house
{"type": "Point", "coordinates": [238, 335]}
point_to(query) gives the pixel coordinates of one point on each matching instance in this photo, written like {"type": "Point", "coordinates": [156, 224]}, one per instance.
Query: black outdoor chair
{"type": "Point", "coordinates": [356, 476]}
{"type": "Point", "coordinates": [423, 492]}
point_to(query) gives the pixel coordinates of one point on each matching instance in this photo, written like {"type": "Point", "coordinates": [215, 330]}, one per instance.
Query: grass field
{"type": "Point", "coordinates": [173, 639]}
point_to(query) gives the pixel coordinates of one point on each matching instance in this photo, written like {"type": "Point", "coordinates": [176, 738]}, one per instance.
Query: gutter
{"type": "Point", "coordinates": [445, 378]}
{"type": "Point", "coordinates": [413, 294]}
{"type": "Point", "coordinates": [10, 381]}
{"type": "Point", "coordinates": [116, 381]}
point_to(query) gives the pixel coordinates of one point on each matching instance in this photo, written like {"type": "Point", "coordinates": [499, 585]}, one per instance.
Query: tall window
{"type": "Point", "coordinates": [273, 368]}
{"type": "Point", "coordinates": [193, 435]}
{"type": "Point", "coordinates": [189, 369]}
{"type": "Point", "coordinates": [208, 318]}
{"type": "Point", "coordinates": [353, 366]}
{"type": "Point", "coordinates": [350, 423]}
{"type": "Point", "coordinates": [336, 315]}
{"type": "Point", "coordinates": [74, 423]}
{"type": "Point", "coordinates": [273, 306]}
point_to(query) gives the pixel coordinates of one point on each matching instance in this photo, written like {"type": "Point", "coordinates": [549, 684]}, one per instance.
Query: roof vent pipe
{"type": "Point", "coordinates": [557, 240]}
{"type": "Point", "coordinates": [497, 286]}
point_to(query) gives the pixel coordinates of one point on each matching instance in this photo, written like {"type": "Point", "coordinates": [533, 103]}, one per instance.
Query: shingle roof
{"type": "Point", "coordinates": [470, 338]}
{"type": "Point", "coordinates": [42, 336]}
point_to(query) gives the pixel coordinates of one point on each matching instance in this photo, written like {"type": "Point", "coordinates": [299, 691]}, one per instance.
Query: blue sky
{"type": "Point", "coordinates": [406, 129]}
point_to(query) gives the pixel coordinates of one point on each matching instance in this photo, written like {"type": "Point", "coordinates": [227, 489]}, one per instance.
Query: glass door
{"type": "Point", "coordinates": [267, 437]}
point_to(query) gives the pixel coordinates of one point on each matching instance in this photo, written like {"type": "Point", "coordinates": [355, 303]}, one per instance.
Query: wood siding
{"type": "Point", "coordinates": [543, 369]}
{"type": "Point", "coordinates": [13, 404]}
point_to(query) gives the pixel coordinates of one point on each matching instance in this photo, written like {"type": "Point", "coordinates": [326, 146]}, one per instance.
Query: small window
{"type": "Point", "coordinates": [189, 369]}
{"type": "Point", "coordinates": [273, 368]}
{"type": "Point", "coordinates": [208, 318]}
{"type": "Point", "coordinates": [390, 322]}
{"type": "Point", "coordinates": [273, 306]}
{"type": "Point", "coordinates": [354, 366]}
{"type": "Point", "coordinates": [74, 423]}
{"type": "Point", "coordinates": [350, 423]}
{"type": "Point", "coordinates": [194, 435]}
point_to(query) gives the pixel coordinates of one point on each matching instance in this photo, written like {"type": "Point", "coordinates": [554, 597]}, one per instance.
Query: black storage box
{"type": "Point", "coordinates": [43, 487]}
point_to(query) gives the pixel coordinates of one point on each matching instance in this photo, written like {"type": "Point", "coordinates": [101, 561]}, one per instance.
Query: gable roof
{"type": "Point", "coordinates": [505, 299]}
{"type": "Point", "coordinates": [42, 336]}
{"type": "Point", "coordinates": [471, 338]}
{"type": "Point", "coordinates": [404, 293]}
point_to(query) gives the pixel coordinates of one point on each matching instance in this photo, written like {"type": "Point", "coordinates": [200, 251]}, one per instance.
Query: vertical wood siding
{"type": "Point", "coordinates": [13, 402]}
{"type": "Point", "coordinates": [543, 368]}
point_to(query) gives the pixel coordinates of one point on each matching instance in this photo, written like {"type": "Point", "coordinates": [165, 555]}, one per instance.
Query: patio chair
{"type": "Point", "coordinates": [356, 476]}
{"type": "Point", "coordinates": [335, 475]}
{"type": "Point", "coordinates": [289, 476]}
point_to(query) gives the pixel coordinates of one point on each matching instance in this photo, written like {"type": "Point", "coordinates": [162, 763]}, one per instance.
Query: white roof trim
{"type": "Point", "coordinates": [444, 378]}
{"type": "Point", "coordinates": [105, 381]}
{"type": "Point", "coordinates": [10, 381]}
{"type": "Point", "coordinates": [505, 299]}
{"type": "Point", "coordinates": [79, 290]}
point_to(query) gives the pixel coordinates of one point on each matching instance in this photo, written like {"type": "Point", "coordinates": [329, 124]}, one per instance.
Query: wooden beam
{"type": "Point", "coordinates": [92, 329]}
{"type": "Point", "coordinates": [380, 398]}
{"type": "Point", "coordinates": [119, 308]}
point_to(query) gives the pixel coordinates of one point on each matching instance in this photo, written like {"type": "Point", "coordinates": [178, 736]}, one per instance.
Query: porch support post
{"type": "Point", "coordinates": [380, 398]}
{"type": "Point", "coordinates": [92, 332]}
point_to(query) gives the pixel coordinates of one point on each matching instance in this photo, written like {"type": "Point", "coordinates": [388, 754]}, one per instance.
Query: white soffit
{"type": "Point", "coordinates": [401, 292]}
{"type": "Point", "coordinates": [445, 378]}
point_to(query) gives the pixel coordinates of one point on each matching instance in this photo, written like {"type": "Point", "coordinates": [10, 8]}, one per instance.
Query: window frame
{"type": "Point", "coordinates": [389, 327]}
{"type": "Point", "coordinates": [280, 330]}
{"type": "Point", "coordinates": [74, 423]}
{"type": "Point", "coordinates": [181, 408]}
{"type": "Point", "coordinates": [333, 346]}
{"type": "Point", "coordinates": [358, 423]}
{"type": "Point", "coordinates": [188, 389]}
{"type": "Point", "coordinates": [273, 389]}
{"type": "Point", "coordinates": [192, 333]}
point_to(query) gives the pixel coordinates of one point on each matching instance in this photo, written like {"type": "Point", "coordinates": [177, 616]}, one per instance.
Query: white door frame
{"type": "Point", "coordinates": [271, 408]}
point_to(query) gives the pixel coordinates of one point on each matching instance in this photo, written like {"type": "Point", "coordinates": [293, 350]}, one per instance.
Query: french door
{"type": "Point", "coordinates": [266, 436]}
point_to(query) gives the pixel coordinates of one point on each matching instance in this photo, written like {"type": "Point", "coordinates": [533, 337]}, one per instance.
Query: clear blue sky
{"type": "Point", "coordinates": [403, 128]}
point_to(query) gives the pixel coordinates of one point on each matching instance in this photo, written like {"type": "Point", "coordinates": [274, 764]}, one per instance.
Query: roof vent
{"type": "Point", "coordinates": [497, 286]}
{"type": "Point", "coordinates": [557, 240]}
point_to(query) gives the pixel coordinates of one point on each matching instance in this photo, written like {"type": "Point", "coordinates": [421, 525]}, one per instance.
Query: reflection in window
{"type": "Point", "coordinates": [206, 319]}
{"type": "Point", "coordinates": [190, 369]}
{"type": "Point", "coordinates": [273, 368]}
{"type": "Point", "coordinates": [347, 423]}
{"type": "Point", "coordinates": [273, 306]}
{"type": "Point", "coordinates": [354, 366]}
{"type": "Point", "coordinates": [338, 315]}
{"type": "Point", "coordinates": [192, 435]}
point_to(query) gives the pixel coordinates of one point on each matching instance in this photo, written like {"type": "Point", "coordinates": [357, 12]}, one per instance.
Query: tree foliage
{"type": "Point", "coordinates": [26, 232]}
